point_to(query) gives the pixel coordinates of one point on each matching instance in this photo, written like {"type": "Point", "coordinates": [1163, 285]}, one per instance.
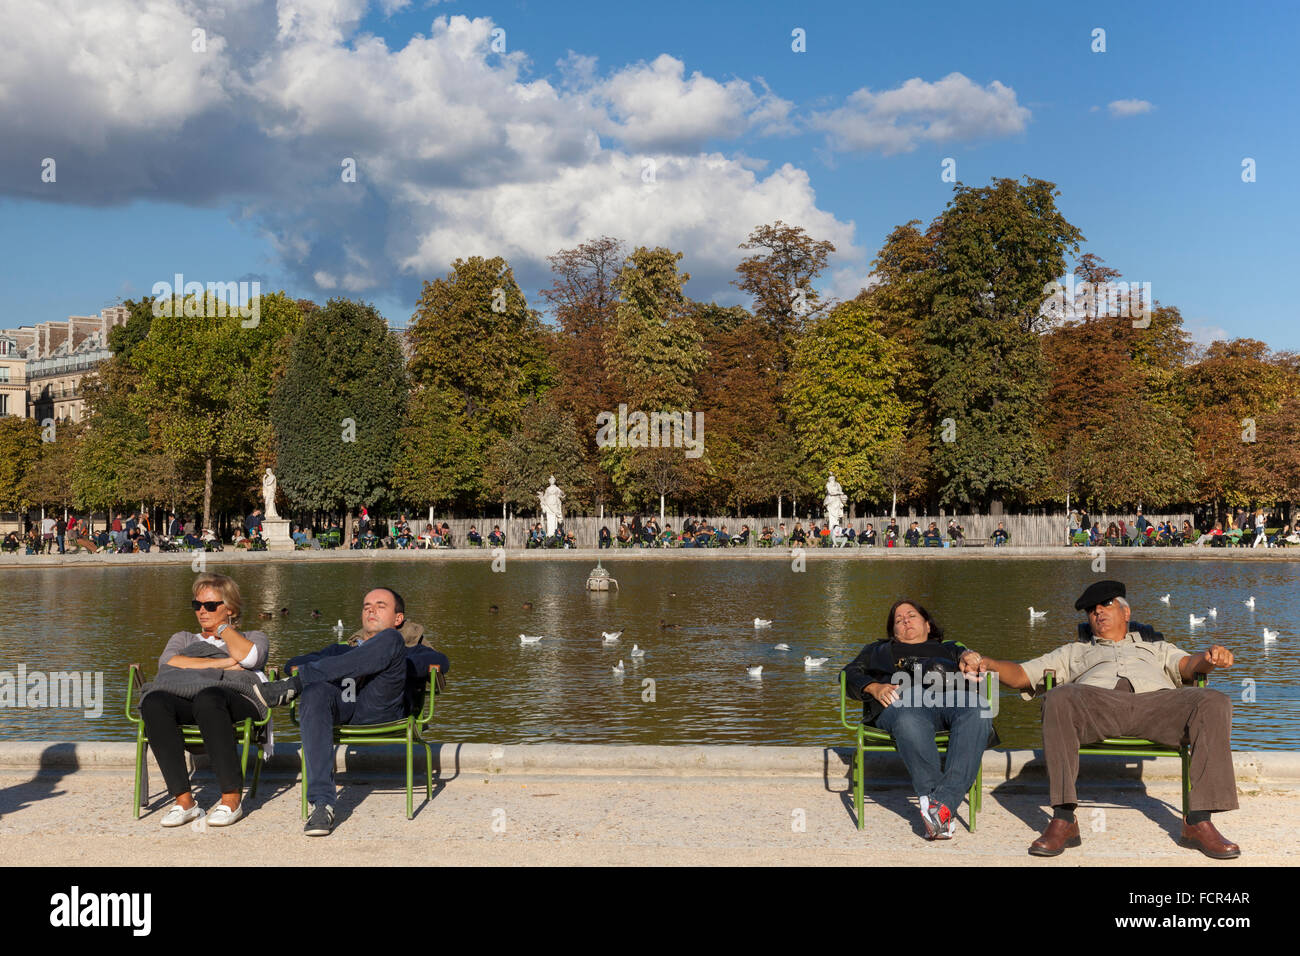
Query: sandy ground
{"type": "Point", "coordinates": [83, 818]}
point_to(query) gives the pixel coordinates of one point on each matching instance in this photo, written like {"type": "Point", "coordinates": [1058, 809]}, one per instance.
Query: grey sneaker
{"type": "Point", "coordinates": [320, 820]}
{"type": "Point", "coordinates": [277, 693]}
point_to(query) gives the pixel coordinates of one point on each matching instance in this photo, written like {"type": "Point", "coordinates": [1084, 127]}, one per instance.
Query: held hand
{"type": "Point", "coordinates": [972, 664]}
{"type": "Point", "coordinates": [1219, 656]}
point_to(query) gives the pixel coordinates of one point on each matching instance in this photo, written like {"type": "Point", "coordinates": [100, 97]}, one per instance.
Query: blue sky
{"type": "Point", "coordinates": [223, 163]}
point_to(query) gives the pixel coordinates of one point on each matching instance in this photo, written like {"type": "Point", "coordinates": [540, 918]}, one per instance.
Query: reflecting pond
{"type": "Point", "coordinates": [563, 689]}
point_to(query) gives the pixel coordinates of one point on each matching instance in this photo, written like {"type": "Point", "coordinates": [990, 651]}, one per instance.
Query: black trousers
{"type": "Point", "coordinates": [216, 711]}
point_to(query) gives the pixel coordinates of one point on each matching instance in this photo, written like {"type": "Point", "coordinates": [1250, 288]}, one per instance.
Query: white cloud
{"type": "Point", "coordinates": [1129, 107]}
{"type": "Point", "coordinates": [897, 120]}
{"type": "Point", "coordinates": [654, 107]}
{"type": "Point", "coordinates": [457, 152]}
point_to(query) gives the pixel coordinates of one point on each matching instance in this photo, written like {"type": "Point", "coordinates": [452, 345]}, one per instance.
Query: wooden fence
{"type": "Point", "coordinates": [1025, 530]}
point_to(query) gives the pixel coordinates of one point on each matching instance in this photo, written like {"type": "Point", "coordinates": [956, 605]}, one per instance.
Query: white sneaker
{"type": "Point", "coordinates": [222, 816]}
{"type": "Point", "coordinates": [178, 816]}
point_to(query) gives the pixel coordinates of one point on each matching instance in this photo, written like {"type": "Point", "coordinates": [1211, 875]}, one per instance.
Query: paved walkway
{"type": "Point", "coordinates": [83, 818]}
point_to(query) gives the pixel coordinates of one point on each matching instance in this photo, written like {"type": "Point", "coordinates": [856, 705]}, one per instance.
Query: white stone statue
{"type": "Point", "coordinates": [268, 492]}
{"type": "Point", "coordinates": [552, 507]}
{"type": "Point", "coordinates": [835, 503]}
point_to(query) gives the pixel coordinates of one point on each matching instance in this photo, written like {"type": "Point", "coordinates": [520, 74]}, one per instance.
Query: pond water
{"type": "Point", "coordinates": [563, 689]}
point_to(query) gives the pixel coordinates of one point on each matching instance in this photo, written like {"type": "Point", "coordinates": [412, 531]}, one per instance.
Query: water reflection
{"type": "Point", "coordinates": [563, 689]}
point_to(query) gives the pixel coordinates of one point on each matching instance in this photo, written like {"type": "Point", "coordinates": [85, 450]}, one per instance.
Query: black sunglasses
{"type": "Point", "coordinates": [1102, 604]}
{"type": "Point", "coordinates": [207, 605]}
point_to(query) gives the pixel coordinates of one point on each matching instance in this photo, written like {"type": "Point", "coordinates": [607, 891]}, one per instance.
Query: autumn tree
{"type": "Point", "coordinates": [779, 277]}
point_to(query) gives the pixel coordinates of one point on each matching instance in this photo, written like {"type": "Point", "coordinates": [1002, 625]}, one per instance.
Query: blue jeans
{"type": "Point", "coordinates": [363, 686]}
{"type": "Point", "coordinates": [913, 729]}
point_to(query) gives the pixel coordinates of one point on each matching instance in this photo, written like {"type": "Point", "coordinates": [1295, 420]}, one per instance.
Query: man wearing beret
{"type": "Point", "coordinates": [1119, 685]}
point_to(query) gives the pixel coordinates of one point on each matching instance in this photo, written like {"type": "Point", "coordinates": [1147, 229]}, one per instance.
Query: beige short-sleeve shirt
{"type": "Point", "coordinates": [1148, 665]}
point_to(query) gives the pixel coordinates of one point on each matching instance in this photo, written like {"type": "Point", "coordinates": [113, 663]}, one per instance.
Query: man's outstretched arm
{"type": "Point", "coordinates": [1009, 672]}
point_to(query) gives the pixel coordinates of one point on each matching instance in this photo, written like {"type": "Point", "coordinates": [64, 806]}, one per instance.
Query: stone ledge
{"type": "Point", "coordinates": [1254, 769]}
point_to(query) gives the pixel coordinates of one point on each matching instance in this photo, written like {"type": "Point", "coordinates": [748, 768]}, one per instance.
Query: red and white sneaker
{"type": "Point", "coordinates": [939, 821]}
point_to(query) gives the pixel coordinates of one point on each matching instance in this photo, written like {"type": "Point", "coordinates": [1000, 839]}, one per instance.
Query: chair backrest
{"type": "Point", "coordinates": [1147, 632]}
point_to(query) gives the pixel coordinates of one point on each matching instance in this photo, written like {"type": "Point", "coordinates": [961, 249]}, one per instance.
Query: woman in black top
{"type": "Point", "coordinates": [911, 686]}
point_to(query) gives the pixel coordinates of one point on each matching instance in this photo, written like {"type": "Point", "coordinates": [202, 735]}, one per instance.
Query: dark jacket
{"type": "Point", "coordinates": [419, 656]}
{"type": "Point", "coordinates": [879, 662]}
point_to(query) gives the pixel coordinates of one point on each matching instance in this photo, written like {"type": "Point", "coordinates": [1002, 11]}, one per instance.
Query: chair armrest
{"type": "Point", "coordinates": [1049, 679]}
{"type": "Point", "coordinates": [134, 681]}
{"type": "Point", "coordinates": [844, 697]}
{"type": "Point", "coordinates": [430, 693]}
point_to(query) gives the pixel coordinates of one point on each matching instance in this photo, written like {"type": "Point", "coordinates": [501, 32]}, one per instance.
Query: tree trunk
{"type": "Point", "coordinates": [893, 505]}
{"type": "Point", "coordinates": [347, 529]}
{"type": "Point", "coordinates": [207, 493]}
{"type": "Point", "coordinates": [661, 510]}
{"type": "Point", "coordinates": [778, 508]}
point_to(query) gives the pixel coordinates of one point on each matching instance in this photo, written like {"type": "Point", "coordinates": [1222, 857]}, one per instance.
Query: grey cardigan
{"type": "Point", "coordinates": [186, 682]}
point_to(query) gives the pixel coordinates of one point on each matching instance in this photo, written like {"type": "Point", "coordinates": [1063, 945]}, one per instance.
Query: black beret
{"type": "Point", "coordinates": [1099, 593]}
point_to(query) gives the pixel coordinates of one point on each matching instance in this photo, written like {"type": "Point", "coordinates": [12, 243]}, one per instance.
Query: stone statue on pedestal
{"type": "Point", "coordinates": [268, 492]}
{"type": "Point", "coordinates": [552, 506]}
{"type": "Point", "coordinates": [836, 501]}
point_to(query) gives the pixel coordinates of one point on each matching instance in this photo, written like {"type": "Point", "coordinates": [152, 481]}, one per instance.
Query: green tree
{"type": "Point", "coordinates": [473, 334]}
{"type": "Point", "coordinates": [442, 455]}
{"type": "Point", "coordinates": [842, 401]}
{"type": "Point", "coordinates": [204, 381]}
{"type": "Point", "coordinates": [340, 409]}
{"type": "Point", "coordinates": [996, 250]}
{"type": "Point", "coordinates": [546, 442]}
{"type": "Point", "coordinates": [20, 455]}
{"type": "Point", "coordinates": [653, 350]}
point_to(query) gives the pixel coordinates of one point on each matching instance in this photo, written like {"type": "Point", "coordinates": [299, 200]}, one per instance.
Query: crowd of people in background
{"type": "Point", "coordinates": [133, 533]}
{"type": "Point", "coordinates": [1244, 530]}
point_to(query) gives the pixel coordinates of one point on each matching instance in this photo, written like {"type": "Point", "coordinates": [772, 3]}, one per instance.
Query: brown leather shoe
{"type": "Point", "coordinates": [1204, 837]}
{"type": "Point", "coordinates": [1056, 838]}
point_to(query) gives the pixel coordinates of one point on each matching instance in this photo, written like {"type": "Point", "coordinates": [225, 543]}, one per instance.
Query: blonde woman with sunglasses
{"type": "Point", "coordinates": [205, 677]}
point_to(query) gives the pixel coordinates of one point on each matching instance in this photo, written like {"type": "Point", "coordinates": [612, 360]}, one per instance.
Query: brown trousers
{"type": "Point", "coordinates": [1075, 715]}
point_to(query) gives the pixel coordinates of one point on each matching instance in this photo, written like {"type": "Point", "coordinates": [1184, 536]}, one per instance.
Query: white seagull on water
{"type": "Point", "coordinates": [1165, 599]}
{"type": "Point", "coordinates": [1250, 603]}
{"type": "Point", "coordinates": [781, 647]}
{"type": "Point", "coordinates": [637, 651]}
{"type": "Point", "coordinates": [755, 671]}
{"type": "Point", "coordinates": [1036, 615]}
{"type": "Point", "coordinates": [1214, 613]}
{"type": "Point", "coordinates": [619, 669]}
{"type": "Point", "coordinates": [609, 637]}
{"type": "Point", "coordinates": [759, 622]}
{"type": "Point", "coordinates": [1193, 620]}
{"type": "Point", "coordinates": [1269, 635]}
{"type": "Point", "coordinates": [814, 661]}
{"type": "Point", "coordinates": [525, 639]}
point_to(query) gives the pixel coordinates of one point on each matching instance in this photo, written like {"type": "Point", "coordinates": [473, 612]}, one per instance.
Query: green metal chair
{"type": "Point", "coordinates": [250, 733]}
{"type": "Point", "coordinates": [405, 731]}
{"type": "Point", "coordinates": [874, 740]}
{"type": "Point", "coordinates": [1138, 747]}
